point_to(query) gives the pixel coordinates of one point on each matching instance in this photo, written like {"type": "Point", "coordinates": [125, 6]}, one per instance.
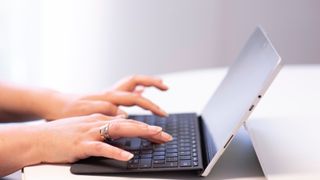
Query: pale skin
{"type": "Point", "coordinates": [75, 135]}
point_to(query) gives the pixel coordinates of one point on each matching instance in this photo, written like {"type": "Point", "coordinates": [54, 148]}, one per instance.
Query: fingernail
{"type": "Point", "coordinates": [165, 86]}
{"type": "Point", "coordinates": [163, 112]}
{"type": "Point", "coordinates": [126, 155]}
{"type": "Point", "coordinates": [155, 128]}
{"type": "Point", "coordinates": [167, 136]}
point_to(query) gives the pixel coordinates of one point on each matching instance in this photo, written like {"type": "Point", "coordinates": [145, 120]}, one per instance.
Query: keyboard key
{"type": "Point", "coordinates": [172, 142]}
{"type": "Point", "coordinates": [147, 147]}
{"type": "Point", "coordinates": [135, 143]}
{"type": "Point", "coordinates": [145, 163]}
{"type": "Point", "coordinates": [145, 156]}
{"type": "Point", "coordinates": [171, 164]}
{"type": "Point", "coordinates": [185, 149]}
{"type": "Point", "coordinates": [134, 161]}
{"type": "Point", "coordinates": [159, 161]}
{"type": "Point", "coordinates": [184, 153]}
{"type": "Point", "coordinates": [146, 152]}
{"type": "Point", "coordinates": [171, 154]}
{"type": "Point", "coordinates": [185, 137]}
{"type": "Point", "coordinates": [172, 159]}
{"type": "Point", "coordinates": [172, 150]}
{"type": "Point", "coordinates": [185, 157]}
{"type": "Point", "coordinates": [159, 146]}
{"type": "Point", "coordinates": [172, 146]}
{"type": "Point", "coordinates": [185, 163]}
{"type": "Point", "coordinates": [184, 140]}
{"type": "Point", "coordinates": [184, 144]}
{"type": "Point", "coordinates": [158, 157]}
{"type": "Point", "coordinates": [127, 143]}
{"type": "Point", "coordinates": [159, 149]}
{"type": "Point", "coordinates": [160, 153]}
{"type": "Point", "coordinates": [195, 163]}
{"type": "Point", "coordinates": [133, 166]}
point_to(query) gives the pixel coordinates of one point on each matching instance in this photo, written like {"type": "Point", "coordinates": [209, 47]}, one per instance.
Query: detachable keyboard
{"type": "Point", "coordinates": [182, 153]}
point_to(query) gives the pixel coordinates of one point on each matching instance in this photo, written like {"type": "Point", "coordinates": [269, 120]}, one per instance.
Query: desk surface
{"type": "Point", "coordinates": [238, 162]}
{"type": "Point", "coordinates": [285, 127]}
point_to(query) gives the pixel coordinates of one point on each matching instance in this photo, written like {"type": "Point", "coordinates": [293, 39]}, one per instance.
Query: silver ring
{"type": "Point", "coordinates": [104, 133]}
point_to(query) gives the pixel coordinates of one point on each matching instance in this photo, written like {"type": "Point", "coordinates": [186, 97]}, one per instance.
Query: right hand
{"type": "Point", "coordinates": [127, 92]}
{"type": "Point", "coordinates": [71, 139]}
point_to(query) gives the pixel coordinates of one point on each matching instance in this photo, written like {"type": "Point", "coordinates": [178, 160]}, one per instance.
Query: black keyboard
{"type": "Point", "coordinates": [182, 152]}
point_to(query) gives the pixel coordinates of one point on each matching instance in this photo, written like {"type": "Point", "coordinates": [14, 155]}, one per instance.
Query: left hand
{"type": "Point", "coordinates": [127, 92]}
{"type": "Point", "coordinates": [70, 139]}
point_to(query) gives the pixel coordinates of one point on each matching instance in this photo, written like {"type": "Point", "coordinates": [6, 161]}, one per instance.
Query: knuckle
{"type": "Point", "coordinates": [108, 104]}
{"type": "Point", "coordinates": [114, 127]}
{"type": "Point", "coordinates": [133, 77]}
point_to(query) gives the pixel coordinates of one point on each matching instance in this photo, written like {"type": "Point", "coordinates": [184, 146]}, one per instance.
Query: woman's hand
{"type": "Point", "coordinates": [127, 92]}
{"type": "Point", "coordinates": [71, 139]}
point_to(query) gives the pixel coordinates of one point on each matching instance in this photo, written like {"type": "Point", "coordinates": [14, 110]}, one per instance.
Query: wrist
{"type": "Point", "coordinates": [20, 146]}
{"type": "Point", "coordinates": [35, 153]}
{"type": "Point", "coordinates": [39, 137]}
{"type": "Point", "coordinates": [50, 105]}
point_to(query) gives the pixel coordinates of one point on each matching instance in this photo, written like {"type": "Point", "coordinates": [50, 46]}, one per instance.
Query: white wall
{"type": "Point", "coordinates": [111, 39]}
{"type": "Point", "coordinates": [80, 45]}
{"type": "Point", "coordinates": [19, 40]}
{"type": "Point", "coordinates": [293, 26]}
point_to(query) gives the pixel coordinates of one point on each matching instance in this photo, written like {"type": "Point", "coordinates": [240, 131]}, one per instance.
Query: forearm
{"type": "Point", "coordinates": [18, 148]}
{"type": "Point", "coordinates": [20, 103]}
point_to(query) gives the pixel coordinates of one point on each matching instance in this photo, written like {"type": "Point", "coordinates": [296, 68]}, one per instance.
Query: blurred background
{"type": "Point", "coordinates": [86, 45]}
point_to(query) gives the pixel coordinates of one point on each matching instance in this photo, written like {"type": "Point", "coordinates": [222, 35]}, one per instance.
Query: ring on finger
{"type": "Point", "coordinates": [104, 132]}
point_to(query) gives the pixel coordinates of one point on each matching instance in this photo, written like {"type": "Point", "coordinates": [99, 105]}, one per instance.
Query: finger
{"type": "Point", "coordinates": [97, 117]}
{"type": "Point", "coordinates": [120, 119]}
{"type": "Point", "coordinates": [101, 119]}
{"type": "Point", "coordinates": [129, 84]}
{"type": "Point", "coordinates": [93, 122]}
{"type": "Point", "coordinates": [96, 125]}
{"type": "Point", "coordinates": [131, 129]}
{"type": "Point", "coordinates": [160, 138]}
{"type": "Point", "coordinates": [130, 99]}
{"type": "Point", "coordinates": [139, 90]}
{"type": "Point", "coordinates": [103, 107]}
{"type": "Point", "coordinates": [106, 150]}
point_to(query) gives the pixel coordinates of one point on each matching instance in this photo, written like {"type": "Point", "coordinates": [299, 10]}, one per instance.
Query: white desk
{"type": "Point", "coordinates": [239, 161]}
